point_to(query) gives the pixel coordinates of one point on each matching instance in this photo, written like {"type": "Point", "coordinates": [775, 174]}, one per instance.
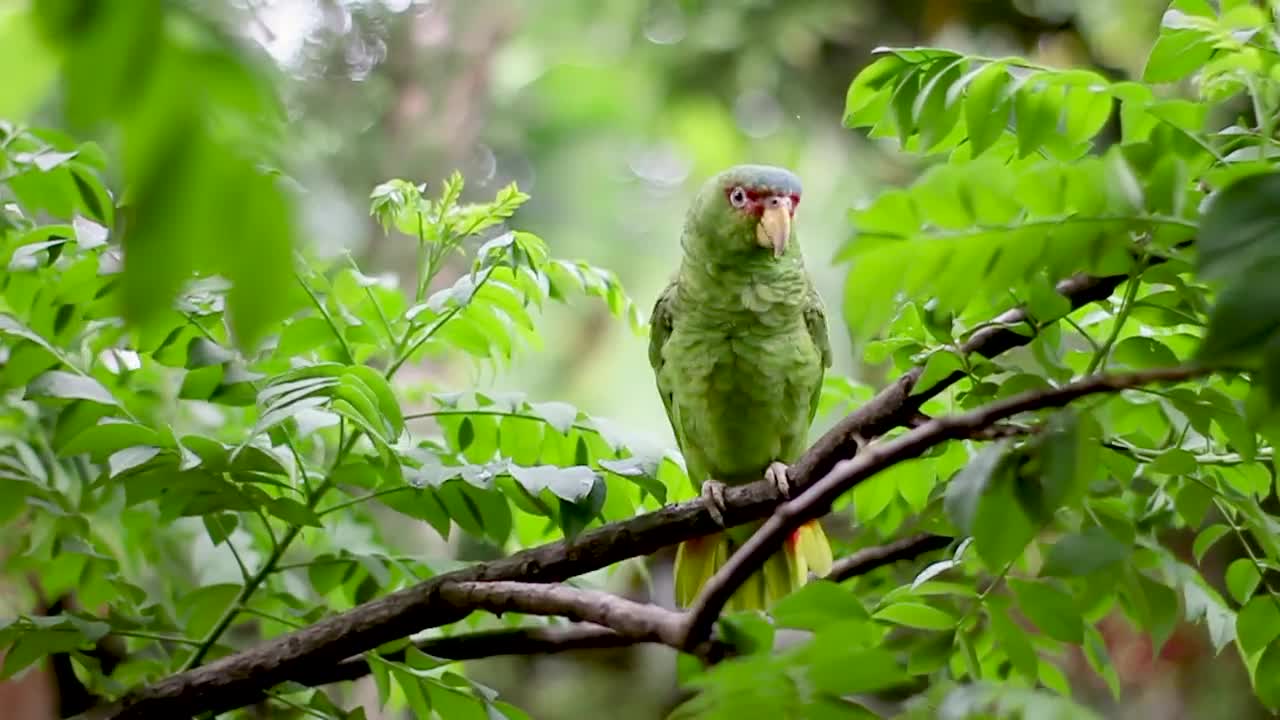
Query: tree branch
{"type": "Point", "coordinates": [640, 622]}
{"type": "Point", "coordinates": [872, 558]}
{"type": "Point", "coordinates": [239, 679]}
{"type": "Point", "coordinates": [589, 636]}
{"type": "Point", "coordinates": [816, 500]}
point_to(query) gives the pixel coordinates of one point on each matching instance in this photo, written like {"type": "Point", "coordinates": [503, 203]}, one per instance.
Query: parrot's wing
{"type": "Point", "coordinates": [660, 324]}
{"type": "Point", "coordinates": [815, 318]}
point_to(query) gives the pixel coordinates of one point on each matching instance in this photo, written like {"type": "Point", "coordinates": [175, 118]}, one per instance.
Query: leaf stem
{"type": "Point", "coordinates": [268, 566]}
{"type": "Point", "coordinates": [159, 637]}
{"type": "Point", "coordinates": [324, 312]}
{"type": "Point", "coordinates": [1099, 360]}
{"type": "Point", "coordinates": [403, 356]}
{"type": "Point", "coordinates": [497, 413]}
{"type": "Point", "coordinates": [363, 498]}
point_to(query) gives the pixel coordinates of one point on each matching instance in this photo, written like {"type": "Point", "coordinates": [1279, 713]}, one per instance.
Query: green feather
{"type": "Point", "coordinates": [739, 346]}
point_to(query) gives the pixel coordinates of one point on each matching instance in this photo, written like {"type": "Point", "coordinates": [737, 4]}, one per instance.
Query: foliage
{"type": "Point", "coordinates": [194, 496]}
{"type": "Point", "coordinates": [207, 462]}
{"type": "Point", "coordinates": [1022, 188]}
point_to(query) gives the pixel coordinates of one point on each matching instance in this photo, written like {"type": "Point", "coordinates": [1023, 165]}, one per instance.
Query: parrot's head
{"type": "Point", "coordinates": [745, 209]}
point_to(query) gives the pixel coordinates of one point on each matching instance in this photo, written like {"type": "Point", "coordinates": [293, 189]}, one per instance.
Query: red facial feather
{"type": "Point", "coordinates": [756, 198]}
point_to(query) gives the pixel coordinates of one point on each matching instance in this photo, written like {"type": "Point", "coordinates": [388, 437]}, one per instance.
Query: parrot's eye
{"type": "Point", "coordinates": [738, 197]}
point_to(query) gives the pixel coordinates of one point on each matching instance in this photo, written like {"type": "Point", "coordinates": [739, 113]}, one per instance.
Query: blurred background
{"type": "Point", "coordinates": [610, 113]}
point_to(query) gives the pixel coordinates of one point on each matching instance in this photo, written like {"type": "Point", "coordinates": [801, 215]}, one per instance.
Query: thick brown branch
{"type": "Point", "coordinates": [877, 556]}
{"type": "Point", "coordinates": [236, 680]}
{"type": "Point", "coordinates": [816, 500]}
{"type": "Point", "coordinates": [640, 621]}
{"type": "Point", "coordinates": [588, 636]}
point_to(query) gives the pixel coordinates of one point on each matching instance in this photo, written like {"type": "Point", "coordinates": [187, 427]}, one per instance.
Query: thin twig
{"type": "Point", "coordinates": [875, 557]}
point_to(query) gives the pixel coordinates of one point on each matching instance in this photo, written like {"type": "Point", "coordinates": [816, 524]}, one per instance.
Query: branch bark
{"type": "Point", "coordinates": [641, 622]}
{"type": "Point", "coordinates": [239, 679]}
{"type": "Point", "coordinates": [872, 558]}
{"type": "Point", "coordinates": [816, 499]}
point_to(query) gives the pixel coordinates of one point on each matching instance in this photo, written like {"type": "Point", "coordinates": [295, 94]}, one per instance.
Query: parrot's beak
{"type": "Point", "coordinates": [774, 230]}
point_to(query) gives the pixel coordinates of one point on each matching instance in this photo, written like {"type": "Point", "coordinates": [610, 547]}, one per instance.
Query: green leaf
{"type": "Point", "coordinates": [1068, 459]}
{"type": "Point", "coordinates": [1160, 608]}
{"type": "Point", "coordinates": [70, 386]}
{"type": "Point", "coordinates": [965, 490]}
{"type": "Point", "coordinates": [986, 107]}
{"type": "Point", "coordinates": [1089, 551]}
{"type": "Point", "coordinates": [817, 604]}
{"type": "Point", "coordinates": [33, 645]}
{"type": "Point", "coordinates": [1242, 579]}
{"type": "Point", "coordinates": [1052, 610]}
{"type": "Point", "coordinates": [220, 526]}
{"type": "Point", "coordinates": [1258, 623]}
{"type": "Point", "coordinates": [1176, 54]}
{"type": "Point", "coordinates": [109, 436]}
{"type": "Point", "coordinates": [1012, 639]}
{"type": "Point", "coordinates": [386, 399]}
{"type": "Point", "coordinates": [916, 615]}
{"type": "Point", "coordinates": [747, 632]}
{"type": "Point", "coordinates": [293, 512]}
{"type": "Point", "coordinates": [940, 365]}
{"type": "Point", "coordinates": [1002, 527]}
{"type": "Point", "coordinates": [1095, 652]}
{"type": "Point", "coordinates": [1036, 108]}
{"type": "Point", "coordinates": [1206, 539]}
{"type": "Point", "coordinates": [202, 607]}
{"type": "Point", "coordinates": [569, 483]}
{"type": "Point", "coordinates": [1239, 229]}
{"type": "Point", "coordinates": [1143, 352]}
{"type": "Point", "coordinates": [1266, 676]}
{"type": "Point", "coordinates": [835, 667]}
{"type": "Point", "coordinates": [123, 461]}
{"type": "Point", "coordinates": [1246, 315]}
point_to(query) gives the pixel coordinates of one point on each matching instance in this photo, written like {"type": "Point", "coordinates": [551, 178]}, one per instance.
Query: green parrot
{"type": "Point", "coordinates": [738, 344]}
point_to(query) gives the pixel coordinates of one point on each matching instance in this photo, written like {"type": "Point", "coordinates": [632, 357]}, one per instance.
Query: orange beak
{"type": "Point", "coordinates": [774, 230]}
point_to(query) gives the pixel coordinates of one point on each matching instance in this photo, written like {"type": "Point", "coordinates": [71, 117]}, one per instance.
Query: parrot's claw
{"type": "Point", "coordinates": [776, 474]}
{"type": "Point", "coordinates": [713, 499]}
{"type": "Point", "coordinates": [860, 442]}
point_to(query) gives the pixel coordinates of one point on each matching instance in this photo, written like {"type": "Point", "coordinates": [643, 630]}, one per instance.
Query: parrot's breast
{"type": "Point", "coordinates": [741, 391]}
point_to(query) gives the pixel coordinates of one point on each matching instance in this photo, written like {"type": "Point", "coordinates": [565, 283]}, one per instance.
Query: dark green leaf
{"type": "Point", "coordinates": [1052, 610]}
{"type": "Point", "coordinates": [1089, 551]}
{"type": "Point", "coordinates": [817, 604]}
{"type": "Point", "coordinates": [1258, 623]}
{"type": "Point", "coordinates": [1239, 229]}
{"type": "Point", "coordinates": [1266, 676]}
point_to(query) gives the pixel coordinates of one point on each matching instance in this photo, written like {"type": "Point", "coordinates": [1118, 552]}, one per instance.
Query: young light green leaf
{"type": "Point", "coordinates": [916, 615]}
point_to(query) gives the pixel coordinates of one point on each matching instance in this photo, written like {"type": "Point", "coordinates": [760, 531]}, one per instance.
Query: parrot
{"type": "Point", "coordinates": [738, 344]}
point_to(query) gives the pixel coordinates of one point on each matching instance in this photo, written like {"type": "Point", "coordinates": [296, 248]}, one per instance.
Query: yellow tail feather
{"type": "Point", "coordinates": [806, 551]}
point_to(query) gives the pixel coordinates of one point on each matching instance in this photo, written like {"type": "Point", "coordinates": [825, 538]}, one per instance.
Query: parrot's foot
{"type": "Point", "coordinates": [860, 442]}
{"type": "Point", "coordinates": [776, 474]}
{"type": "Point", "coordinates": [713, 499]}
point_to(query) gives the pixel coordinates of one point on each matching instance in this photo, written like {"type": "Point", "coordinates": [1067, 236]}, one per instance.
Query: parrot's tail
{"type": "Point", "coordinates": [807, 551]}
